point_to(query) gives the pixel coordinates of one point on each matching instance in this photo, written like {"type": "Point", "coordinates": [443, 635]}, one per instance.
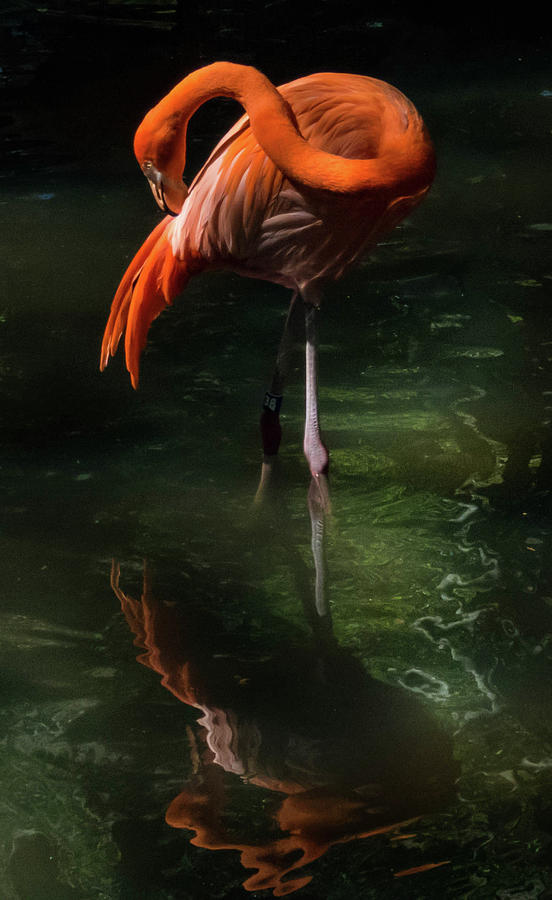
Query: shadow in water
{"type": "Point", "coordinates": [342, 755]}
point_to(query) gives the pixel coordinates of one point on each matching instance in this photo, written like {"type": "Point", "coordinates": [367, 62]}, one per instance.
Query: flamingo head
{"type": "Point", "coordinates": [160, 150]}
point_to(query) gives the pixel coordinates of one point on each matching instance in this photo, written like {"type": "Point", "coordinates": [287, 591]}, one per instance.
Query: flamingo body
{"type": "Point", "coordinates": [258, 217]}
{"type": "Point", "coordinates": [242, 213]}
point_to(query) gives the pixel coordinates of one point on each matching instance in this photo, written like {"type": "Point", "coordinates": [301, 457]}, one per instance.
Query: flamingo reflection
{"type": "Point", "coordinates": [345, 756]}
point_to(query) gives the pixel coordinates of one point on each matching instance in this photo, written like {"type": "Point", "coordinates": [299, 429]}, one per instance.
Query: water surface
{"type": "Point", "coordinates": [417, 732]}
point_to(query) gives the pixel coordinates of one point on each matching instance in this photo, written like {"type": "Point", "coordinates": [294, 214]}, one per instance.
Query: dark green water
{"type": "Point", "coordinates": [434, 703]}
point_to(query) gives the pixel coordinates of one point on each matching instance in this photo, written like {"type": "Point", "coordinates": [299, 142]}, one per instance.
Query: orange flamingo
{"type": "Point", "coordinates": [313, 175]}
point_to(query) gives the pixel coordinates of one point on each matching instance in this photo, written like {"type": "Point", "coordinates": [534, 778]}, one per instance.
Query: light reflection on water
{"type": "Point", "coordinates": [435, 400]}
{"type": "Point", "coordinates": [346, 757]}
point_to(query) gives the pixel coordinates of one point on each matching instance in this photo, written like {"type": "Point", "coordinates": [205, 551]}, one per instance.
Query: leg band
{"type": "Point", "coordinates": [272, 402]}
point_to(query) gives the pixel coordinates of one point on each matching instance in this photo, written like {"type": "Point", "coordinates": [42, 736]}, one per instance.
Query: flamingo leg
{"type": "Point", "coordinates": [271, 430]}
{"type": "Point", "coordinates": [315, 450]}
{"type": "Point", "coordinates": [284, 352]}
{"type": "Point", "coordinates": [318, 458]}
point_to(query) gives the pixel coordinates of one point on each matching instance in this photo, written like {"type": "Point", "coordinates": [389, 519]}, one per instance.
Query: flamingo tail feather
{"type": "Point", "coordinates": [151, 282]}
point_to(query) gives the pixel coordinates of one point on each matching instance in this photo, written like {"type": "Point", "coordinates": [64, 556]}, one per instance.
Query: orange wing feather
{"type": "Point", "coordinates": [121, 302]}
{"type": "Point", "coordinates": [151, 282]}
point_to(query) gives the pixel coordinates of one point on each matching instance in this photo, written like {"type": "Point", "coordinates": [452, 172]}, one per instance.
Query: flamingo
{"type": "Point", "coordinates": [310, 178]}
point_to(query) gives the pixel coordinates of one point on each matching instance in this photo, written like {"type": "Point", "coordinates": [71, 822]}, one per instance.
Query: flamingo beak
{"type": "Point", "coordinates": [169, 195]}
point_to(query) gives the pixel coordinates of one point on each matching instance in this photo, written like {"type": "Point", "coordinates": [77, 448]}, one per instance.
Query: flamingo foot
{"type": "Point", "coordinates": [267, 468]}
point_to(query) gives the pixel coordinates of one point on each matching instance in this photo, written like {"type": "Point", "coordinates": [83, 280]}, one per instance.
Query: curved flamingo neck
{"type": "Point", "coordinates": [404, 164]}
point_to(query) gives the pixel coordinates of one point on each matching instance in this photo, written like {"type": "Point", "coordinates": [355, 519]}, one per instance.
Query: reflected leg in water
{"type": "Point", "coordinates": [322, 620]}
{"type": "Point", "coordinates": [345, 756]}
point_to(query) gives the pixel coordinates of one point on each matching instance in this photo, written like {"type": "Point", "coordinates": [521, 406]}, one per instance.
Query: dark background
{"type": "Point", "coordinates": [78, 76]}
{"type": "Point", "coordinates": [92, 470]}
